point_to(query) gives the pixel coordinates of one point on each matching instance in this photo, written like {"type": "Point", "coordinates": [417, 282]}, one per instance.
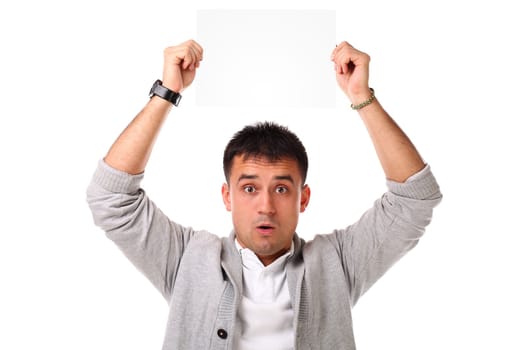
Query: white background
{"type": "Point", "coordinates": [73, 74]}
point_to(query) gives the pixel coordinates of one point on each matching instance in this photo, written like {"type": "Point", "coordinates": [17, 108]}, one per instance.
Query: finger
{"type": "Point", "coordinates": [177, 55]}
{"type": "Point", "coordinates": [357, 57]}
{"type": "Point", "coordinates": [341, 55]}
{"type": "Point", "coordinates": [344, 68]}
{"type": "Point", "coordinates": [198, 58]}
{"type": "Point", "coordinates": [171, 54]}
{"type": "Point", "coordinates": [341, 46]}
{"type": "Point", "coordinates": [199, 50]}
{"type": "Point", "coordinates": [334, 51]}
{"type": "Point", "coordinates": [196, 55]}
{"type": "Point", "coordinates": [341, 62]}
{"type": "Point", "coordinates": [350, 58]}
{"type": "Point", "coordinates": [196, 49]}
{"type": "Point", "coordinates": [186, 61]}
{"type": "Point", "coordinates": [188, 57]}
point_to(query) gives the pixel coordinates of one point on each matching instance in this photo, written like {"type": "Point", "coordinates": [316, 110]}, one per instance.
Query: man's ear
{"type": "Point", "coordinates": [305, 197]}
{"type": "Point", "coordinates": [226, 196]}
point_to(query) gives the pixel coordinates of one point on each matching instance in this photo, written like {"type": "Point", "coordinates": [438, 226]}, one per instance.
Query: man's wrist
{"type": "Point", "coordinates": [172, 83]}
{"type": "Point", "coordinates": [165, 93]}
{"type": "Point", "coordinates": [362, 100]}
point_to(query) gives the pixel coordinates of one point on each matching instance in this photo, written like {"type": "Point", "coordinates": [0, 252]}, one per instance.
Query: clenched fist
{"type": "Point", "coordinates": [351, 70]}
{"type": "Point", "coordinates": [180, 64]}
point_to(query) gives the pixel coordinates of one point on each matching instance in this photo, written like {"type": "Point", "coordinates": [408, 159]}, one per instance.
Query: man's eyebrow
{"type": "Point", "coordinates": [246, 177]}
{"type": "Point", "coordinates": [277, 177]}
{"type": "Point", "coordinates": [284, 177]}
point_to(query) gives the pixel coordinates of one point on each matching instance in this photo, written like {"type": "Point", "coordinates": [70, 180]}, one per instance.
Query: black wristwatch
{"type": "Point", "coordinates": [163, 92]}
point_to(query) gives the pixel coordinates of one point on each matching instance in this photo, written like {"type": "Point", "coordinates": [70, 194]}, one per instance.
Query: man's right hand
{"type": "Point", "coordinates": [180, 64]}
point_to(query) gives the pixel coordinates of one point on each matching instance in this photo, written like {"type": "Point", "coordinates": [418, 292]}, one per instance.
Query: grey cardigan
{"type": "Point", "coordinates": [200, 274]}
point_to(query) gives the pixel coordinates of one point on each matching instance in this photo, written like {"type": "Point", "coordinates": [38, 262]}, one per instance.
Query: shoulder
{"type": "Point", "coordinates": [322, 244]}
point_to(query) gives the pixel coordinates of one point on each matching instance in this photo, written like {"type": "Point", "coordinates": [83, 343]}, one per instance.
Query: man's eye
{"type": "Point", "coordinates": [281, 189]}
{"type": "Point", "coordinates": [249, 189]}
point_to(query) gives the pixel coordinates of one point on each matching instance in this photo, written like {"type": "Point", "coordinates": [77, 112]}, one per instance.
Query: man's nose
{"type": "Point", "coordinates": [266, 203]}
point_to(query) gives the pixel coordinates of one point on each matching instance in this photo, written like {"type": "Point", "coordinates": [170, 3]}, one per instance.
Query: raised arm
{"type": "Point", "coordinates": [120, 207]}
{"type": "Point", "coordinates": [398, 156]}
{"type": "Point", "coordinates": [131, 151]}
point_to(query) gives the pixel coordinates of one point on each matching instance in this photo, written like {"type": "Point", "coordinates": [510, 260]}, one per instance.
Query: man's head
{"type": "Point", "coordinates": [265, 167]}
{"type": "Point", "coordinates": [265, 140]}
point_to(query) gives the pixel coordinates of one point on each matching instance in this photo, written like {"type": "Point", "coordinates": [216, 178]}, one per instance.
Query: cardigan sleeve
{"type": "Point", "coordinates": [388, 230]}
{"type": "Point", "coordinates": [152, 242]}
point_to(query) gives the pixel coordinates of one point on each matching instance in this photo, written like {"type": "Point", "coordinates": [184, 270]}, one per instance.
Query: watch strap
{"type": "Point", "coordinates": [163, 92]}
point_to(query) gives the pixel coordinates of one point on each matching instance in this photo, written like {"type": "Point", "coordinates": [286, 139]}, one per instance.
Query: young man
{"type": "Point", "coordinates": [262, 287]}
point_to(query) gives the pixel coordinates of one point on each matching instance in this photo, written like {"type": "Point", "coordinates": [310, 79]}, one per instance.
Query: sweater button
{"type": "Point", "coordinates": [222, 333]}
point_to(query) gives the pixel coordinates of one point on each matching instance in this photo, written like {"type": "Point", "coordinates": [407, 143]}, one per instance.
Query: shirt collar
{"type": "Point", "coordinates": [250, 261]}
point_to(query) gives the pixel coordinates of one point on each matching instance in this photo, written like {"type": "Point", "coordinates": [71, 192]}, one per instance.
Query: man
{"type": "Point", "coordinates": [262, 287]}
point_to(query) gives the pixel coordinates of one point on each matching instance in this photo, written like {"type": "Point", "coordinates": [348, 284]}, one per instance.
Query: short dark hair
{"type": "Point", "coordinates": [265, 140]}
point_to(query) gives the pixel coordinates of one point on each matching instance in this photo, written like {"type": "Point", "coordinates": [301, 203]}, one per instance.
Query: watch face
{"type": "Point", "coordinates": [152, 90]}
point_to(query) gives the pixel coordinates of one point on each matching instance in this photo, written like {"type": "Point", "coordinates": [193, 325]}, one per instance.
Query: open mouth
{"type": "Point", "coordinates": [265, 229]}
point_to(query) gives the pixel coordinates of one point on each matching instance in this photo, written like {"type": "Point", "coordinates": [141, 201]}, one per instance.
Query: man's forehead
{"type": "Point", "coordinates": [263, 161]}
{"type": "Point", "coordinates": [254, 166]}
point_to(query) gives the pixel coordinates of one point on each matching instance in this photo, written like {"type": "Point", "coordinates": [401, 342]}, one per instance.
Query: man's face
{"type": "Point", "coordinates": [265, 199]}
